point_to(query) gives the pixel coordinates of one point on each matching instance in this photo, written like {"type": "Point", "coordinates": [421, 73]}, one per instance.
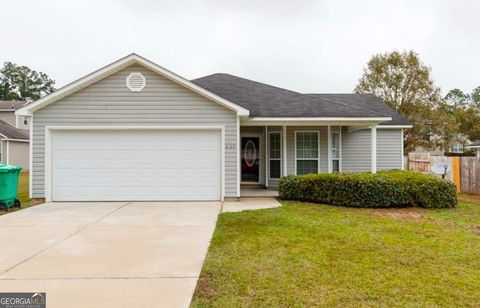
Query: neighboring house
{"type": "Point", "coordinates": [14, 142]}
{"type": "Point", "coordinates": [133, 130]}
{"type": "Point", "coordinates": [475, 146]}
{"type": "Point", "coordinates": [7, 114]}
{"type": "Point", "coordinates": [457, 147]}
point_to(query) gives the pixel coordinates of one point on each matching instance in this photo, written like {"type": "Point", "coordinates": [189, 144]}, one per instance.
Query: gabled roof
{"type": "Point", "coordinates": [8, 131]}
{"type": "Point", "coordinates": [11, 105]}
{"type": "Point", "coordinates": [268, 101]}
{"type": "Point", "coordinates": [116, 66]}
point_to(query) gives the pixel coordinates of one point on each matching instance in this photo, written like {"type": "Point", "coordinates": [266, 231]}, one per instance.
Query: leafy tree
{"type": "Point", "coordinates": [475, 97]}
{"type": "Point", "coordinates": [457, 99]}
{"type": "Point", "coordinates": [449, 133]}
{"type": "Point", "coordinates": [404, 82]}
{"type": "Point", "coordinates": [468, 120]}
{"type": "Point", "coordinates": [464, 110]}
{"type": "Point", "coordinates": [22, 83]}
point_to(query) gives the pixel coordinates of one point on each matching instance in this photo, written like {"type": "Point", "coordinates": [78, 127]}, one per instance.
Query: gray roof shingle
{"type": "Point", "coordinates": [264, 100]}
{"type": "Point", "coordinates": [12, 132]}
{"type": "Point", "coordinates": [11, 104]}
{"type": "Point", "coordinates": [474, 144]}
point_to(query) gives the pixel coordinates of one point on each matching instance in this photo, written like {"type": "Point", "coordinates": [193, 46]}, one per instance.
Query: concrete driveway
{"type": "Point", "coordinates": [122, 254]}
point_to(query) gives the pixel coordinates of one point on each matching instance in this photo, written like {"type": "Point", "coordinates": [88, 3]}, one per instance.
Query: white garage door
{"type": "Point", "coordinates": [149, 165]}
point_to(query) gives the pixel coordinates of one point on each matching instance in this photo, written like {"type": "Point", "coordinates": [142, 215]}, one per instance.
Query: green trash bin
{"type": "Point", "coordinates": [9, 186]}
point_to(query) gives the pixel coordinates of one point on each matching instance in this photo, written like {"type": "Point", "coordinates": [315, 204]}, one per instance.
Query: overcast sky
{"type": "Point", "coordinates": [303, 45]}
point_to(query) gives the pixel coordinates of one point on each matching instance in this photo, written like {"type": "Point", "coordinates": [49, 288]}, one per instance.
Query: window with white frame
{"type": "Point", "coordinates": [275, 155]}
{"type": "Point", "coordinates": [306, 151]}
{"type": "Point", "coordinates": [335, 151]}
{"type": "Point", "coordinates": [457, 148]}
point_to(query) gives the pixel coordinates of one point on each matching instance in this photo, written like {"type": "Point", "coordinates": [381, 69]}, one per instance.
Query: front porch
{"type": "Point", "coordinates": [269, 152]}
{"type": "Point", "coordinates": [257, 191]}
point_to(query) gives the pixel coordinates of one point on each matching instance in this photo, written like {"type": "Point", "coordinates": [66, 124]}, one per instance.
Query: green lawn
{"type": "Point", "coordinates": [23, 188]}
{"type": "Point", "coordinates": [317, 255]}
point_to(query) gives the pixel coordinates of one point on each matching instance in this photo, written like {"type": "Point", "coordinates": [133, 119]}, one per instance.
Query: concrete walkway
{"type": "Point", "coordinates": [245, 204]}
{"type": "Point", "coordinates": [117, 254]}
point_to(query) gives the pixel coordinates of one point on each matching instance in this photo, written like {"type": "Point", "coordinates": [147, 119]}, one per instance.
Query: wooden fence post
{"type": "Point", "coordinates": [456, 172]}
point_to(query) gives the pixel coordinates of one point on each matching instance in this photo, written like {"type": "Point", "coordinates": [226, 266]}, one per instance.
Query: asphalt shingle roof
{"type": "Point", "coordinates": [11, 104]}
{"type": "Point", "coordinates": [263, 100]}
{"type": "Point", "coordinates": [474, 144]}
{"type": "Point", "coordinates": [11, 132]}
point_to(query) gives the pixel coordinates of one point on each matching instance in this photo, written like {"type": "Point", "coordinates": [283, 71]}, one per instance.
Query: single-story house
{"type": "Point", "coordinates": [133, 130]}
{"type": "Point", "coordinates": [475, 146]}
{"type": "Point", "coordinates": [14, 136]}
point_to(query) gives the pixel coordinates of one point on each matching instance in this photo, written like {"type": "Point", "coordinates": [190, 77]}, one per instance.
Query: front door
{"type": "Point", "coordinates": [250, 155]}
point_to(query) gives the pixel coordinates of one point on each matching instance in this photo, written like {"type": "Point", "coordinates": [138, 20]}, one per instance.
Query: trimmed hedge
{"type": "Point", "coordinates": [384, 189]}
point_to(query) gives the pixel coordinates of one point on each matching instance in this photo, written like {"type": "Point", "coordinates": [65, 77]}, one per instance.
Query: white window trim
{"type": "Point", "coordinates": [281, 154]}
{"type": "Point", "coordinates": [339, 132]}
{"type": "Point", "coordinates": [295, 148]}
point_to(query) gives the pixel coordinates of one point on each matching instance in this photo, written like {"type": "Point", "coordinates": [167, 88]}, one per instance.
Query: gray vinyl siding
{"type": "Point", "coordinates": [291, 146]}
{"type": "Point", "coordinates": [356, 150]}
{"type": "Point", "coordinates": [109, 102]}
{"type": "Point", "coordinates": [18, 154]}
{"type": "Point", "coordinates": [389, 149]}
{"type": "Point", "coordinates": [9, 117]}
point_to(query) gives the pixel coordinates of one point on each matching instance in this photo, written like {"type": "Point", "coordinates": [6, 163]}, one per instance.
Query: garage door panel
{"type": "Point", "coordinates": [136, 165]}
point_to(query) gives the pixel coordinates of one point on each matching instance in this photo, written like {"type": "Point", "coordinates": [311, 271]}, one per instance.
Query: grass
{"type": "Point", "coordinates": [23, 193]}
{"type": "Point", "coordinates": [303, 255]}
{"type": "Point", "coordinates": [23, 184]}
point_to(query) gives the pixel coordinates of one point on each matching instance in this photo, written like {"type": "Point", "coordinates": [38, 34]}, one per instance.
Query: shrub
{"type": "Point", "coordinates": [384, 189]}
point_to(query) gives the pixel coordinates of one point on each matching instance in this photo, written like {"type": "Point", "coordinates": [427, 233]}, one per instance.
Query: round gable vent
{"type": "Point", "coordinates": [136, 82]}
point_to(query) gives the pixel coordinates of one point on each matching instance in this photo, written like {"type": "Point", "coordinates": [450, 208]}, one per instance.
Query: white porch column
{"type": "Point", "coordinates": [329, 148]}
{"type": "Point", "coordinates": [284, 148]}
{"type": "Point", "coordinates": [402, 151]}
{"type": "Point", "coordinates": [267, 163]}
{"type": "Point", "coordinates": [239, 169]}
{"type": "Point", "coordinates": [374, 149]}
{"type": "Point", "coordinates": [8, 152]}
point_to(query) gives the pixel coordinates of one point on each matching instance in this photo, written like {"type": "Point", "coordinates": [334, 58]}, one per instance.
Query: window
{"type": "Point", "coordinates": [306, 150]}
{"type": "Point", "coordinates": [335, 151]}
{"type": "Point", "coordinates": [457, 148]}
{"type": "Point", "coordinates": [275, 155]}
{"type": "Point", "coordinates": [25, 121]}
